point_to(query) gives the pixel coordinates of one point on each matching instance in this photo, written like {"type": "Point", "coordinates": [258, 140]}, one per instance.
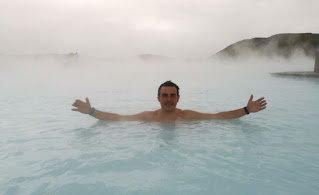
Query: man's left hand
{"type": "Point", "coordinates": [256, 106]}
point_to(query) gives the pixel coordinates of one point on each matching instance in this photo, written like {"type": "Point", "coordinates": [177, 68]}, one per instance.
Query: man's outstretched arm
{"type": "Point", "coordinates": [85, 108]}
{"type": "Point", "coordinates": [252, 106]}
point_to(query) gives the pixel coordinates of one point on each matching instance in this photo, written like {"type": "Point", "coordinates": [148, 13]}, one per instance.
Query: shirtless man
{"type": "Point", "coordinates": [168, 96]}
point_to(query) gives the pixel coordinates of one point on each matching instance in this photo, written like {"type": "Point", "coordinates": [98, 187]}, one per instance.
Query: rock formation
{"type": "Point", "coordinates": [280, 45]}
{"type": "Point", "coordinates": [152, 57]}
{"type": "Point", "coordinates": [317, 62]}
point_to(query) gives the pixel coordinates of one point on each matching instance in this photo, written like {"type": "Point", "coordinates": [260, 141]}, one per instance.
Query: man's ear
{"type": "Point", "coordinates": [178, 98]}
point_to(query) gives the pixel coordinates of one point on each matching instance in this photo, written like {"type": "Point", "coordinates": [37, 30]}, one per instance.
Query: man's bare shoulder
{"type": "Point", "coordinates": [148, 115]}
{"type": "Point", "coordinates": [188, 114]}
{"type": "Point", "coordinates": [192, 114]}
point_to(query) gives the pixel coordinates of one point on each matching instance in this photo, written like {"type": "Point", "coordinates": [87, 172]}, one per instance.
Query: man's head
{"type": "Point", "coordinates": [168, 96]}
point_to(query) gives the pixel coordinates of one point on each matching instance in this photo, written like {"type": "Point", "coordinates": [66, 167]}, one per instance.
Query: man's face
{"type": "Point", "coordinates": [168, 98]}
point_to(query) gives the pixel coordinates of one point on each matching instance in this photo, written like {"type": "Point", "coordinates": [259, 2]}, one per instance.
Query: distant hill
{"type": "Point", "coordinates": [282, 45]}
{"type": "Point", "coordinates": [43, 56]}
{"type": "Point", "coordinates": [152, 57]}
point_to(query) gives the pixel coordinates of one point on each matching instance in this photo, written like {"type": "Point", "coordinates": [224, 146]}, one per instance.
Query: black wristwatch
{"type": "Point", "coordinates": [246, 110]}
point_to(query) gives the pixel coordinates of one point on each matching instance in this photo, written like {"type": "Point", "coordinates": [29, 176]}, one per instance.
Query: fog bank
{"type": "Point", "coordinates": [53, 75]}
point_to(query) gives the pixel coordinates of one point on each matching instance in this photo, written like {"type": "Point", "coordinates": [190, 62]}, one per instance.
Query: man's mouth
{"type": "Point", "coordinates": [169, 103]}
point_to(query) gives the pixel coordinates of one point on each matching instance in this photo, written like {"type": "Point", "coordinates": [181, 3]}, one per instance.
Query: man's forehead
{"type": "Point", "coordinates": [168, 90]}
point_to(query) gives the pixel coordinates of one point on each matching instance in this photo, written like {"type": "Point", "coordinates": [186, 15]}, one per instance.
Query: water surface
{"type": "Point", "coordinates": [45, 148]}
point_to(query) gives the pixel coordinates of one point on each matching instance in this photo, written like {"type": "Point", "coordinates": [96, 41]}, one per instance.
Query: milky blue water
{"type": "Point", "coordinates": [45, 148]}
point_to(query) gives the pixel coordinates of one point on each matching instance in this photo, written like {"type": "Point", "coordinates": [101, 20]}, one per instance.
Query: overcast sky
{"type": "Point", "coordinates": [176, 28]}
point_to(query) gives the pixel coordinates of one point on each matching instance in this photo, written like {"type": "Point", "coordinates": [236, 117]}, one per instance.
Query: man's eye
{"type": "Point", "coordinates": [164, 95]}
{"type": "Point", "coordinates": [173, 95]}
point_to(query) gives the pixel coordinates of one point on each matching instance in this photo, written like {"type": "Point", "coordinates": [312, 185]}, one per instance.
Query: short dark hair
{"type": "Point", "coordinates": [167, 84]}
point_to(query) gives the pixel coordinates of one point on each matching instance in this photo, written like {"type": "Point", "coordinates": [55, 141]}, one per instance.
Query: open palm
{"type": "Point", "coordinates": [256, 106]}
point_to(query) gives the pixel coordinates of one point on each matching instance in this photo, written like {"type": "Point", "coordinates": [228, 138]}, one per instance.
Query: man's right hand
{"type": "Point", "coordinates": [83, 107]}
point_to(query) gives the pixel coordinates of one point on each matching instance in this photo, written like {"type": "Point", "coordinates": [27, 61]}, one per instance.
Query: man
{"type": "Point", "coordinates": [168, 96]}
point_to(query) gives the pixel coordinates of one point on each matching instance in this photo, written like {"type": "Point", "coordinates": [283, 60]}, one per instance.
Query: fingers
{"type": "Point", "coordinates": [77, 103]}
{"type": "Point", "coordinates": [251, 98]}
{"type": "Point", "coordinates": [87, 101]}
{"type": "Point", "coordinates": [262, 102]}
{"type": "Point", "coordinates": [262, 105]}
{"type": "Point", "coordinates": [81, 106]}
{"type": "Point", "coordinates": [257, 105]}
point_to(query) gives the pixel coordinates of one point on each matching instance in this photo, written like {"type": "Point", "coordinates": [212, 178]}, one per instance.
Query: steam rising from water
{"type": "Point", "coordinates": [59, 74]}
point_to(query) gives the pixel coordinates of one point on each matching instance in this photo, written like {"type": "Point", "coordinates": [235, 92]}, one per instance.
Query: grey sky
{"type": "Point", "coordinates": [177, 28]}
